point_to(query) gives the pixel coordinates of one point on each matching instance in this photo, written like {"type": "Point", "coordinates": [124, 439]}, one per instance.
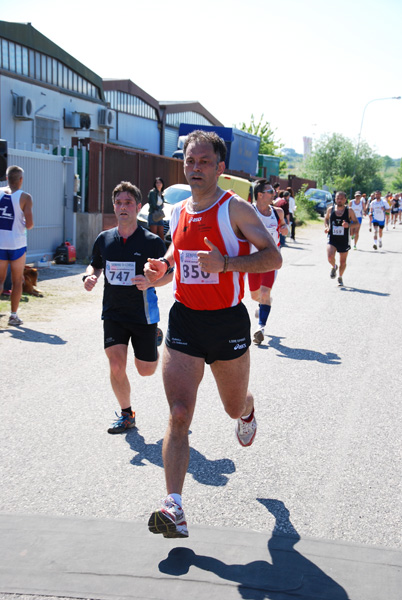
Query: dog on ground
{"type": "Point", "coordinates": [30, 281]}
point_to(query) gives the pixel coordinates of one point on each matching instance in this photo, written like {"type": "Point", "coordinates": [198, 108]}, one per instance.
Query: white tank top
{"type": "Point", "coordinates": [13, 233]}
{"type": "Point", "coordinates": [271, 223]}
{"type": "Point", "coordinates": [357, 208]}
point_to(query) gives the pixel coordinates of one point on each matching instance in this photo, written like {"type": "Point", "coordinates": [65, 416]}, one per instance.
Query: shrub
{"type": "Point", "coordinates": [305, 209]}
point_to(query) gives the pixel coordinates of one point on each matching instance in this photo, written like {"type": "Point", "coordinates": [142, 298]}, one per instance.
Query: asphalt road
{"type": "Point", "coordinates": [327, 384]}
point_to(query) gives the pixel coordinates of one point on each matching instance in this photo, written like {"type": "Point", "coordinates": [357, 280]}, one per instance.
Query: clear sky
{"type": "Point", "coordinates": [310, 66]}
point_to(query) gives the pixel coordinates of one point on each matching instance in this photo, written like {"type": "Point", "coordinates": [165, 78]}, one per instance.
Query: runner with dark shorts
{"type": "Point", "coordinates": [130, 305]}
{"type": "Point", "coordinates": [339, 220]}
{"type": "Point", "coordinates": [211, 236]}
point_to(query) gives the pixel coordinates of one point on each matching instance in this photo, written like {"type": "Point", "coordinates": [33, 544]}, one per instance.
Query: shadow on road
{"type": "Point", "coordinates": [203, 470]}
{"type": "Point", "coordinates": [329, 358]}
{"type": "Point", "coordinates": [31, 335]}
{"type": "Point", "coordinates": [287, 572]}
{"type": "Point", "coordinates": [360, 291]}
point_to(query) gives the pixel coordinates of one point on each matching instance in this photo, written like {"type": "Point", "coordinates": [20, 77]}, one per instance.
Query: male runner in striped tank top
{"type": "Point", "coordinates": [211, 236]}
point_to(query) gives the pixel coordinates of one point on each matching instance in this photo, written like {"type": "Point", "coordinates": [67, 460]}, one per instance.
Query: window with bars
{"type": "Point", "coordinates": [47, 132]}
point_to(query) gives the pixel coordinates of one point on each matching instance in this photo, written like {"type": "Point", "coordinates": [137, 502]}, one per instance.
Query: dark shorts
{"type": "Point", "coordinates": [143, 338]}
{"type": "Point", "coordinates": [339, 245]}
{"type": "Point", "coordinates": [209, 334]}
{"type": "Point", "coordinates": [12, 254]}
{"type": "Point", "coordinates": [379, 224]}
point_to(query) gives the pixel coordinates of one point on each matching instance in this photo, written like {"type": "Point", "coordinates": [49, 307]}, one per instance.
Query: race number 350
{"type": "Point", "coordinates": [190, 270]}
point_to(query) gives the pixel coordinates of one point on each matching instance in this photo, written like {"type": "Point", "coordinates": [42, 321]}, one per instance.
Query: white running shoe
{"type": "Point", "coordinates": [15, 321]}
{"type": "Point", "coordinates": [258, 336]}
{"type": "Point", "coordinates": [169, 520]}
{"type": "Point", "coordinates": [246, 430]}
{"type": "Point", "coordinates": [333, 272]}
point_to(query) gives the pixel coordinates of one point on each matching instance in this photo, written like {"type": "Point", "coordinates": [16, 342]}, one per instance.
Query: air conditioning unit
{"type": "Point", "coordinates": [85, 121]}
{"type": "Point", "coordinates": [23, 108]}
{"type": "Point", "coordinates": [106, 118]}
{"type": "Point", "coordinates": [72, 120]}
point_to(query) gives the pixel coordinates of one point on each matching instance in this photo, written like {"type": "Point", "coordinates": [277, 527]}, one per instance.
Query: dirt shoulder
{"type": "Point", "coordinates": [61, 285]}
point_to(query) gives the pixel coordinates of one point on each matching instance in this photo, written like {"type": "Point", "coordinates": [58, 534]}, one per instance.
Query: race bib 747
{"type": "Point", "coordinates": [119, 273]}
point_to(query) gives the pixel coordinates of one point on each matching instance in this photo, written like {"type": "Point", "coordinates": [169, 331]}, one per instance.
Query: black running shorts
{"type": "Point", "coordinates": [209, 334]}
{"type": "Point", "coordinates": [339, 245]}
{"type": "Point", "coordinates": [143, 338]}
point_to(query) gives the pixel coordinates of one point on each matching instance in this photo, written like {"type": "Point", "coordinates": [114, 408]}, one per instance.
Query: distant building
{"type": "Point", "coordinates": [146, 124]}
{"type": "Point", "coordinates": [48, 98]}
{"type": "Point", "coordinates": [307, 146]}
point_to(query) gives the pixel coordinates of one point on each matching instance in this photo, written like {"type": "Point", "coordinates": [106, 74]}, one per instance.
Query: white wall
{"type": "Point", "coordinates": [47, 103]}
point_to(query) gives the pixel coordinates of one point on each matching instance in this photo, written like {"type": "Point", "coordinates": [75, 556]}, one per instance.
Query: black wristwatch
{"type": "Point", "coordinates": [84, 277]}
{"type": "Point", "coordinates": [167, 263]}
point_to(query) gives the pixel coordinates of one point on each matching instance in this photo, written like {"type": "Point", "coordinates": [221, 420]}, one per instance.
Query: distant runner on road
{"type": "Point", "coordinates": [339, 219]}
{"type": "Point", "coordinates": [378, 211]}
{"type": "Point", "coordinates": [130, 305]}
{"type": "Point", "coordinates": [357, 205]}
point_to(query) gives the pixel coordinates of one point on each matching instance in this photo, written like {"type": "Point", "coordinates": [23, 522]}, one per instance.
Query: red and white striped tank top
{"type": "Point", "coordinates": [192, 287]}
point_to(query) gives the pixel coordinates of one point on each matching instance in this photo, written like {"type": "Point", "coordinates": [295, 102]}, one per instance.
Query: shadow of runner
{"type": "Point", "coordinates": [31, 335]}
{"type": "Point", "coordinates": [329, 358]}
{"type": "Point", "coordinates": [348, 288]}
{"type": "Point", "coordinates": [289, 574]}
{"type": "Point", "coordinates": [203, 470]}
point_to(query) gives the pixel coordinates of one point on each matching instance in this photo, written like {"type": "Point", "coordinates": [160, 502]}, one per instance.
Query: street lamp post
{"type": "Point", "coordinates": [360, 133]}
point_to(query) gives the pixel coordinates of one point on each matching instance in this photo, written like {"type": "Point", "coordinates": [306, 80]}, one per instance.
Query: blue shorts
{"type": "Point", "coordinates": [379, 224]}
{"type": "Point", "coordinates": [12, 254]}
{"type": "Point", "coordinates": [360, 219]}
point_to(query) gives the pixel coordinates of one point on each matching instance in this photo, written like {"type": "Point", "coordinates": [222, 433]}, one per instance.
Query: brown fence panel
{"type": "Point", "coordinates": [293, 182]}
{"type": "Point", "coordinates": [109, 164]}
{"type": "Point", "coordinates": [119, 165]}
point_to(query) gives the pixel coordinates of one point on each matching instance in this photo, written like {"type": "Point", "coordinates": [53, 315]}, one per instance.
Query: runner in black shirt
{"type": "Point", "coordinates": [130, 305]}
{"type": "Point", "coordinates": [339, 220]}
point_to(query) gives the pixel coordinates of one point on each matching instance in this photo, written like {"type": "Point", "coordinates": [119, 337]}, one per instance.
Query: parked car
{"type": "Point", "coordinates": [321, 198]}
{"type": "Point", "coordinates": [173, 194]}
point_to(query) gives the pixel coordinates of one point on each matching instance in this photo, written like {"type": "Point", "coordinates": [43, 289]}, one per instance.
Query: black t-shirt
{"type": "Point", "coordinates": [120, 261]}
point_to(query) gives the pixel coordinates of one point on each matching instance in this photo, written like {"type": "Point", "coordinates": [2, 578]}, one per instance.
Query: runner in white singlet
{"type": "Point", "coordinates": [358, 208]}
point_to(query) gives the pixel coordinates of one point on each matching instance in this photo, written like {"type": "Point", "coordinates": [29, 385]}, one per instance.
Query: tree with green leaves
{"type": "Point", "coordinates": [334, 162]}
{"type": "Point", "coordinates": [397, 182]}
{"type": "Point", "coordinates": [268, 145]}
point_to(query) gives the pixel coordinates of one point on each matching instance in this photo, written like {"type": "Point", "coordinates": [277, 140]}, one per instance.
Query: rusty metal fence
{"type": "Point", "coordinates": [109, 164]}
